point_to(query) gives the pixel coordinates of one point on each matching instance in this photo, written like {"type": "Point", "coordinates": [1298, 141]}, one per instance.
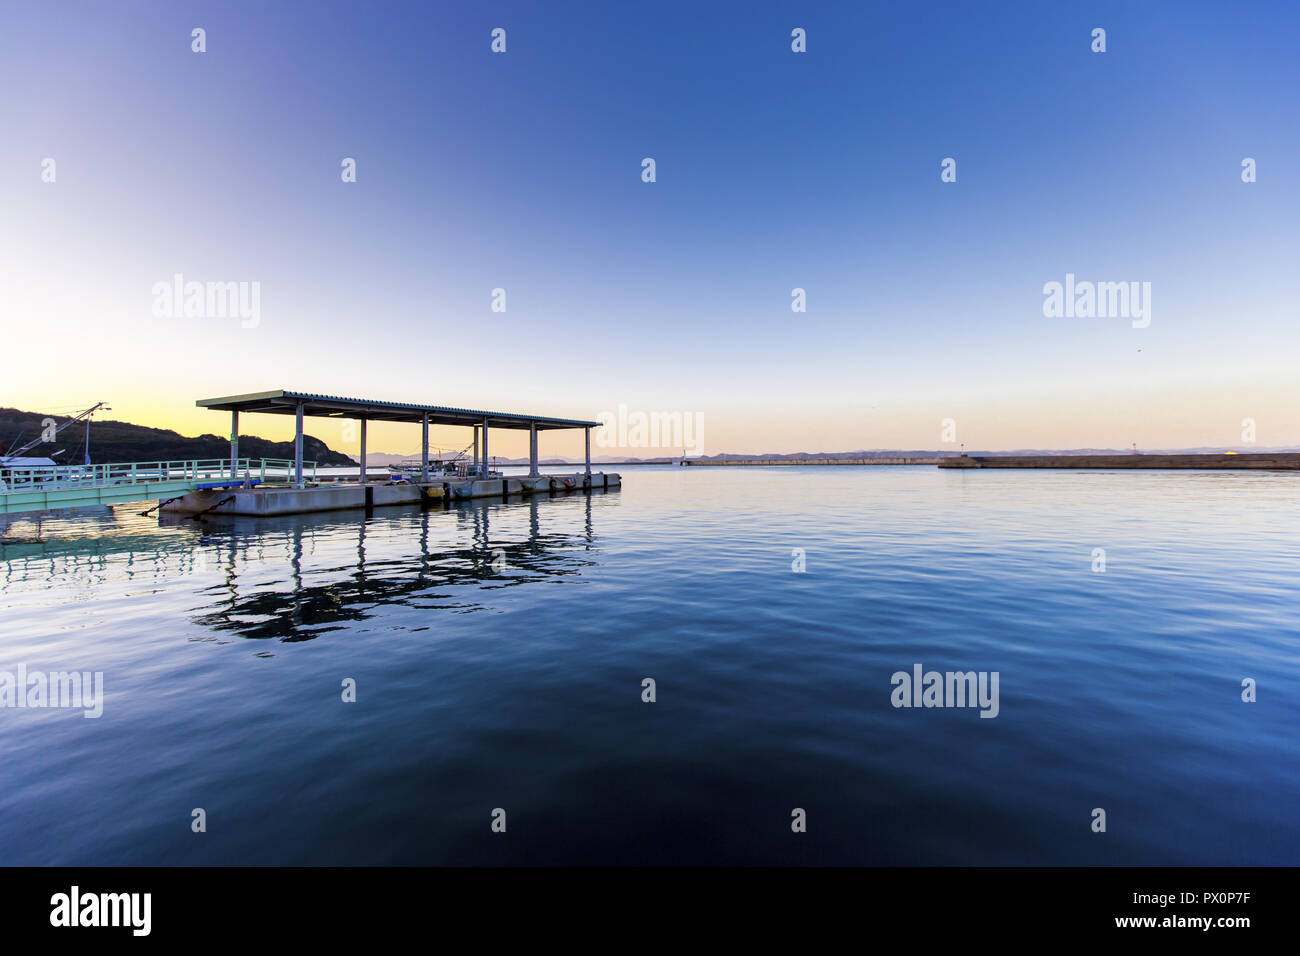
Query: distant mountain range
{"type": "Point", "coordinates": [122, 441]}
{"type": "Point", "coordinates": [391, 458]}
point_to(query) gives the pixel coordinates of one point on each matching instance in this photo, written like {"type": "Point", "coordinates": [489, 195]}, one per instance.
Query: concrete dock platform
{"type": "Point", "coordinates": [264, 500]}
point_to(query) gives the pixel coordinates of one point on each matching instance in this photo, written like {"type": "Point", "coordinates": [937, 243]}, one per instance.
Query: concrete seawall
{"type": "Point", "coordinates": [1285, 461]}
{"type": "Point", "coordinates": [339, 497]}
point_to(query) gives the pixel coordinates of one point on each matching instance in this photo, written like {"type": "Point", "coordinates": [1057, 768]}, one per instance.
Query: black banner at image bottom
{"type": "Point", "coordinates": [87, 905]}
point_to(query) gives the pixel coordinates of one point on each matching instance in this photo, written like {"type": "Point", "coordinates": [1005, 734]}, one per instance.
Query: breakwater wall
{"type": "Point", "coordinates": [1284, 461]}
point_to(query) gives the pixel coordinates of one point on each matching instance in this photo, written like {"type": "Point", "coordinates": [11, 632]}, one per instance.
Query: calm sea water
{"type": "Point", "coordinates": [499, 651]}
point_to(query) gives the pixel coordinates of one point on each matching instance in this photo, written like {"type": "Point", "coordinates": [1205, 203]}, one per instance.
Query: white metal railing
{"type": "Point", "coordinates": [281, 469]}
{"type": "Point", "coordinates": [68, 477]}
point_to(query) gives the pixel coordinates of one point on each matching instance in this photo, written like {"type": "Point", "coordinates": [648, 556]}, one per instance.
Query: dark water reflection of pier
{"type": "Point", "coordinates": [432, 578]}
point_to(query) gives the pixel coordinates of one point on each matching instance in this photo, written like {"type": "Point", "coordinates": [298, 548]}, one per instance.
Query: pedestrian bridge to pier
{"type": "Point", "coordinates": [48, 487]}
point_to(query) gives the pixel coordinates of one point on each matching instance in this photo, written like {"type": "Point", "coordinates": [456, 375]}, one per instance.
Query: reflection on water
{"type": "Point", "coordinates": [454, 547]}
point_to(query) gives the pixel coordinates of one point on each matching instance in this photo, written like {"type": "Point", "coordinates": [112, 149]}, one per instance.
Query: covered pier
{"type": "Point", "coordinates": [304, 404]}
{"type": "Point", "coordinates": [475, 479]}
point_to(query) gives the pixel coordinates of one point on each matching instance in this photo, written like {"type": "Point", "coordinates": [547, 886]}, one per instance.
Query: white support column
{"type": "Point", "coordinates": [486, 467]}
{"type": "Point", "coordinates": [475, 471]}
{"type": "Point", "coordinates": [532, 449]}
{"type": "Point", "coordinates": [587, 435]}
{"type": "Point", "coordinates": [424, 448]}
{"type": "Point", "coordinates": [297, 449]}
{"type": "Point", "coordinates": [363, 451]}
{"type": "Point", "coordinates": [234, 446]}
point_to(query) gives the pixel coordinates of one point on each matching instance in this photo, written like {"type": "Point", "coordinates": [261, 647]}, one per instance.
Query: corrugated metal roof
{"type": "Point", "coordinates": [284, 402]}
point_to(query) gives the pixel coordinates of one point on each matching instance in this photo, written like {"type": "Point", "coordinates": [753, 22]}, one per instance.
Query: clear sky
{"type": "Point", "coordinates": [522, 171]}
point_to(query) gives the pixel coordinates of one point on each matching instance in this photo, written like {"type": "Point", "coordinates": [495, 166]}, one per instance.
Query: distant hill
{"type": "Point", "coordinates": [122, 441]}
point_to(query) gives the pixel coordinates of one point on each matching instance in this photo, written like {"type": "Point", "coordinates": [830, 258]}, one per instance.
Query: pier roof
{"type": "Point", "coordinates": [281, 402]}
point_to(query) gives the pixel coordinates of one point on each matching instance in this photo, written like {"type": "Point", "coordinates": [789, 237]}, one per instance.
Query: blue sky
{"type": "Point", "coordinates": [775, 170]}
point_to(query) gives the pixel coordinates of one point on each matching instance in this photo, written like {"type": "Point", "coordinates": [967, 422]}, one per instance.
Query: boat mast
{"type": "Point", "coordinates": [20, 450]}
